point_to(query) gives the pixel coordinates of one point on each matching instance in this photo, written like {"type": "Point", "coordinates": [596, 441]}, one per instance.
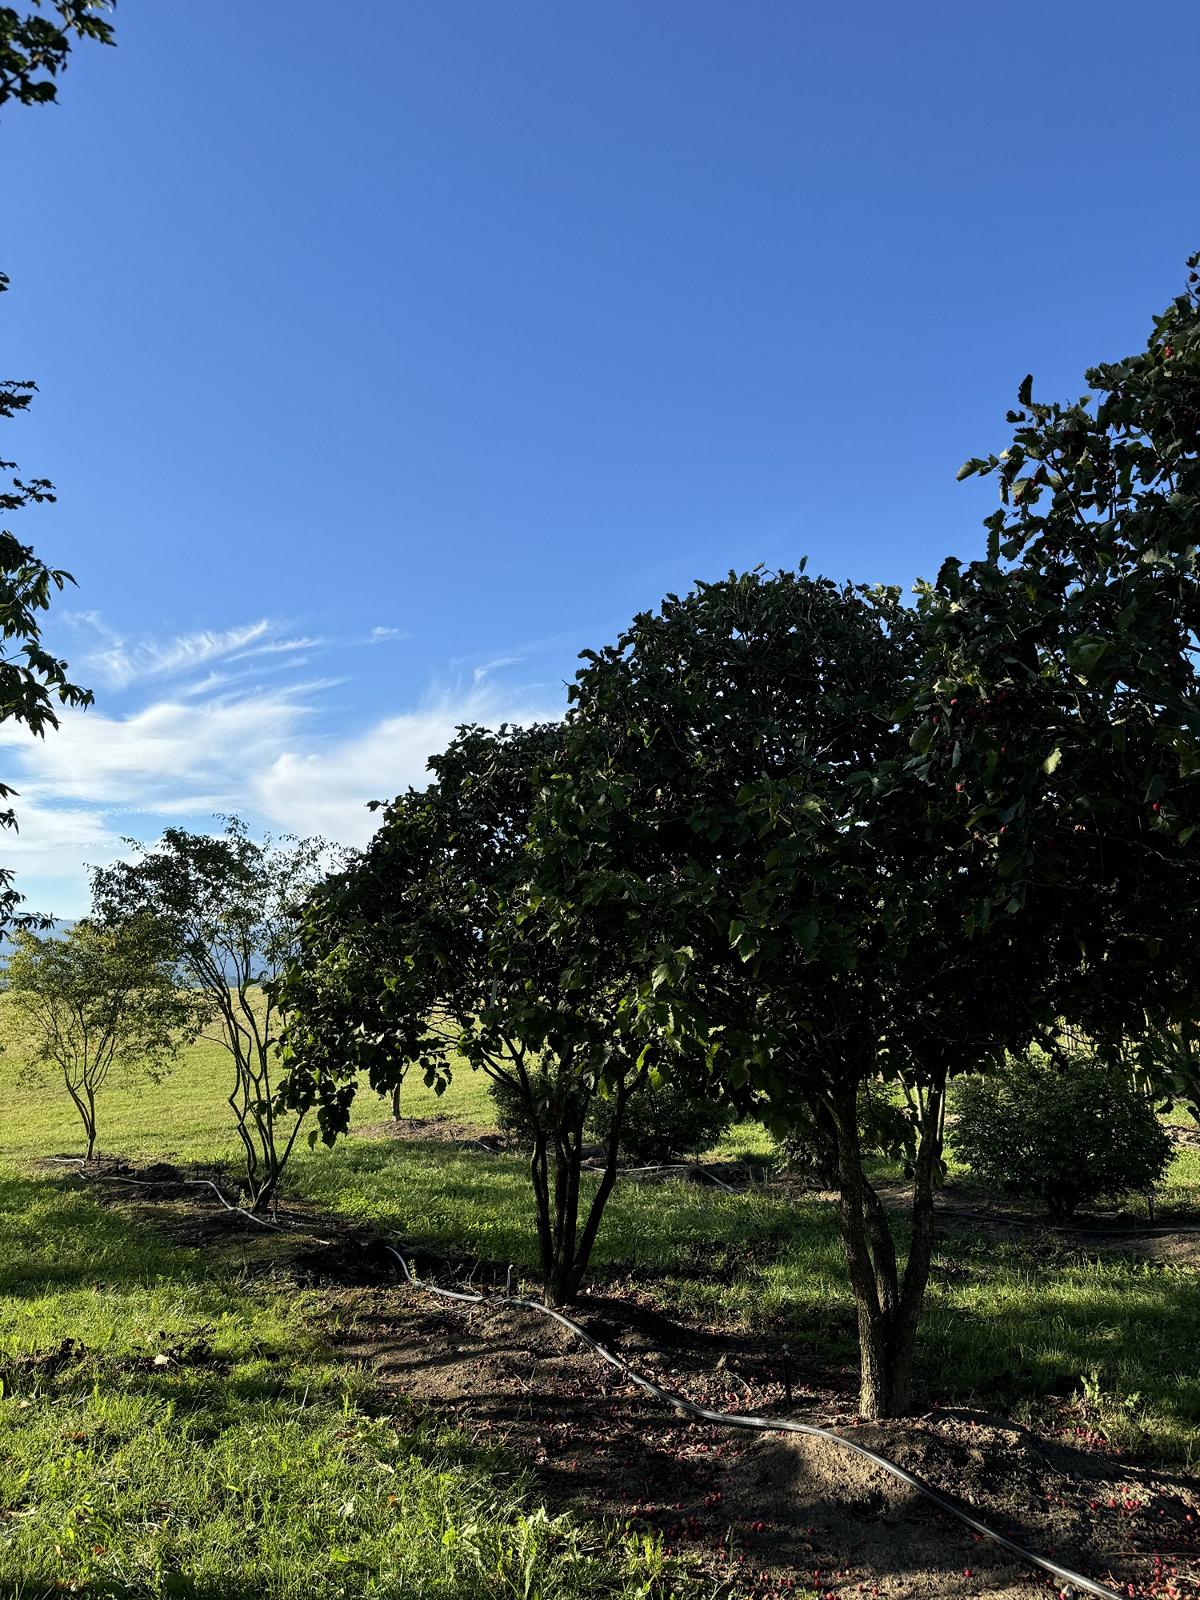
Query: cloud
{"type": "Point", "coordinates": [51, 852]}
{"type": "Point", "coordinates": [489, 667]}
{"type": "Point", "coordinates": [173, 756]}
{"type": "Point", "coordinates": [121, 664]}
{"type": "Point", "coordinates": [222, 745]}
{"type": "Point", "coordinates": [47, 834]}
{"type": "Point", "coordinates": [325, 787]}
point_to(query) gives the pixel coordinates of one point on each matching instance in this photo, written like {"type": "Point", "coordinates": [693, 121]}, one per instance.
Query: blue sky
{"type": "Point", "coordinates": [391, 352]}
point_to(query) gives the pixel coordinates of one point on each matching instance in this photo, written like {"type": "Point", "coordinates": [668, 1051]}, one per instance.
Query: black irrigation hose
{"type": "Point", "coordinates": [755, 1424]}
{"type": "Point", "coordinates": [1071, 1229]}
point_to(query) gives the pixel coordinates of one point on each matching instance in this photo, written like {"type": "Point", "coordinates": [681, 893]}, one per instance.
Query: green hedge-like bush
{"type": "Point", "coordinates": [1063, 1132]}
{"type": "Point", "coordinates": [661, 1122]}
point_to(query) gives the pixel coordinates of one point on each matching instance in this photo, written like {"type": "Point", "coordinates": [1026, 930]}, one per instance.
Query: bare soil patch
{"type": "Point", "coordinates": [441, 1127]}
{"type": "Point", "coordinates": [765, 1515]}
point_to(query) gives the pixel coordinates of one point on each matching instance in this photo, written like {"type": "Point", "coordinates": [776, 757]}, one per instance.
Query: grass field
{"type": "Point", "coordinates": [171, 1423]}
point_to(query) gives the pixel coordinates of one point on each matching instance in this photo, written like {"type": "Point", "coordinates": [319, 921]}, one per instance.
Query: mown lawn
{"type": "Point", "coordinates": [250, 1461]}
{"type": "Point", "coordinates": [170, 1426]}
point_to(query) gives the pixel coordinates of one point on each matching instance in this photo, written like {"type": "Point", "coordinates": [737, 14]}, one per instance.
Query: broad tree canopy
{"type": "Point", "coordinates": [1062, 692]}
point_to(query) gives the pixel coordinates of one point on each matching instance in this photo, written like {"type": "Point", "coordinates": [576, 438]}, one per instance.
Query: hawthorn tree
{"type": "Point", "coordinates": [230, 907]}
{"type": "Point", "coordinates": [741, 817]}
{"type": "Point", "coordinates": [99, 1001]}
{"type": "Point", "coordinates": [34, 49]}
{"type": "Point", "coordinates": [424, 952]}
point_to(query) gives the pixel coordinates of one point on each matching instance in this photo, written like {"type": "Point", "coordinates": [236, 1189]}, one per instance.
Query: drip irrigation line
{"type": "Point", "coordinates": [756, 1424]}
{"type": "Point", "coordinates": [668, 1166]}
{"type": "Point", "coordinates": [179, 1183]}
{"type": "Point", "coordinates": [677, 1402]}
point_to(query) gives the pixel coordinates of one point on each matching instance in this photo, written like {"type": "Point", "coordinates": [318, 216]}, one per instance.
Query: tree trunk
{"type": "Point", "coordinates": [539, 1177]}
{"type": "Point", "coordinates": [396, 1102]}
{"type": "Point", "coordinates": [888, 1306]}
{"type": "Point", "coordinates": [565, 1249]}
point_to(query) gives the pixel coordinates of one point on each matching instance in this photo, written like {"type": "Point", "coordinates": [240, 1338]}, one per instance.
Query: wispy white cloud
{"type": "Point", "coordinates": [275, 647]}
{"type": "Point", "coordinates": [48, 833]}
{"type": "Point", "coordinates": [324, 786]}
{"type": "Point", "coordinates": [171, 755]}
{"type": "Point", "coordinates": [121, 663]}
{"type": "Point", "coordinates": [242, 737]}
{"type": "Point", "coordinates": [497, 665]}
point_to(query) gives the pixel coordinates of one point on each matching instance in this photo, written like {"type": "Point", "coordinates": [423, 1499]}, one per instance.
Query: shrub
{"type": "Point", "coordinates": [1062, 1131]}
{"type": "Point", "coordinates": [887, 1131]}
{"type": "Point", "coordinates": [661, 1122]}
{"type": "Point", "coordinates": [558, 1099]}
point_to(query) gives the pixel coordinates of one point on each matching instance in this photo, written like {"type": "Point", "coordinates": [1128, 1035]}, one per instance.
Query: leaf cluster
{"type": "Point", "coordinates": [1061, 704]}
{"type": "Point", "coordinates": [35, 46]}
{"type": "Point", "coordinates": [425, 952]}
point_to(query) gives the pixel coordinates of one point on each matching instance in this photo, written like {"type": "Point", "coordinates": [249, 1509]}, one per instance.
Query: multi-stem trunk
{"type": "Point", "coordinates": [564, 1248]}
{"type": "Point", "coordinates": [84, 1099]}
{"type": "Point", "coordinates": [888, 1302]}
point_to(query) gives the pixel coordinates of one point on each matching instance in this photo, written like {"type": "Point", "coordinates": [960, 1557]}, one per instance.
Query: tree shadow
{"type": "Point", "coordinates": [58, 1237]}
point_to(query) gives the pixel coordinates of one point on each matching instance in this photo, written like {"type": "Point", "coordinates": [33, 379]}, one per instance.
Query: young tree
{"type": "Point", "coordinates": [738, 816]}
{"type": "Point", "coordinates": [230, 906]}
{"type": "Point", "coordinates": [100, 1000]}
{"type": "Point", "coordinates": [424, 953]}
{"type": "Point", "coordinates": [34, 48]}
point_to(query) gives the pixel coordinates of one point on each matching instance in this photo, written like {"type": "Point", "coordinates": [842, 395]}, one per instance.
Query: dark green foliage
{"type": "Point", "coordinates": [664, 1121]}
{"type": "Point", "coordinates": [428, 953]}
{"type": "Point", "coordinates": [741, 817]}
{"type": "Point", "coordinates": [1063, 1129]}
{"type": "Point", "coordinates": [34, 46]}
{"type": "Point", "coordinates": [1063, 707]}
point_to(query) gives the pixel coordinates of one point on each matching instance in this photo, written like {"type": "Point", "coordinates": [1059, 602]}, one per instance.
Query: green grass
{"type": "Point", "coordinates": [245, 1460]}
{"type": "Point", "coordinates": [251, 1461]}
{"type": "Point", "coordinates": [248, 1461]}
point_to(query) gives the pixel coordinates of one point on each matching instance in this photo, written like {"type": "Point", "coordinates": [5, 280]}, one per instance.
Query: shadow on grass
{"type": "Point", "coordinates": [59, 1237]}
{"type": "Point", "coordinates": [1007, 1322]}
{"type": "Point", "coordinates": [1010, 1324]}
